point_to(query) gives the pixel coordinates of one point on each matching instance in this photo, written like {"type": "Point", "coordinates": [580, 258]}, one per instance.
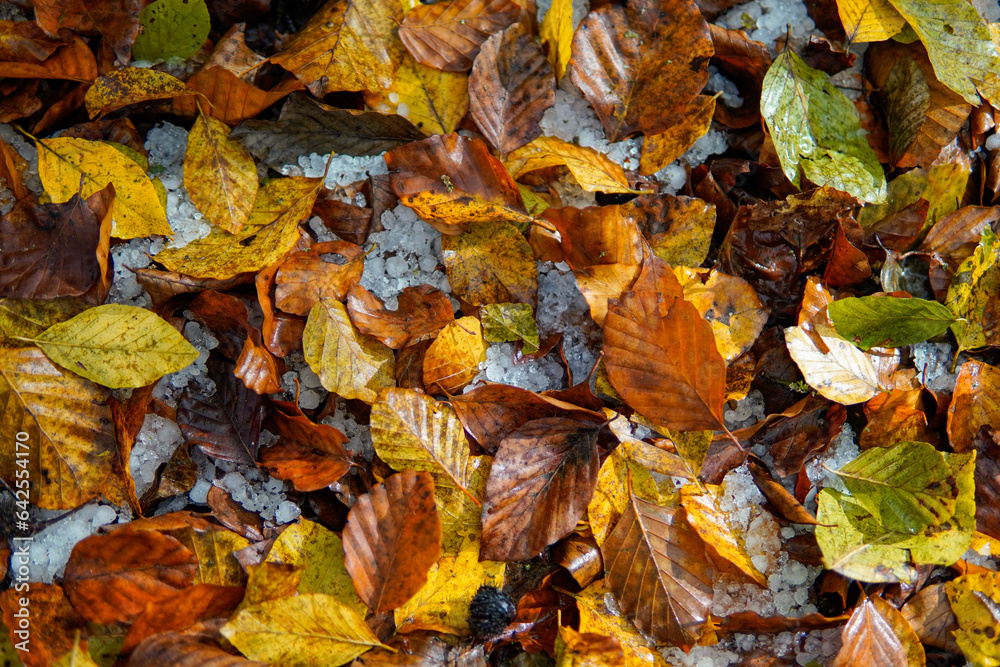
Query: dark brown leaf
{"type": "Point", "coordinates": [744, 62]}
{"type": "Point", "coordinates": [510, 88]}
{"type": "Point", "coordinates": [162, 285]}
{"type": "Point", "coordinates": [421, 311]}
{"type": "Point", "coordinates": [791, 436]}
{"type": "Point", "coordinates": [349, 222]}
{"type": "Point", "coordinates": [226, 425]}
{"type": "Point", "coordinates": [748, 621]}
{"type": "Point", "coordinates": [416, 649]}
{"type": "Point", "coordinates": [448, 35]}
{"type": "Point", "coordinates": [929, 614]}
{"type": "Point", "coordinates": [987, 478]}
{"type": "Point", "coordinates": [542, 478]}
{"type": "Point", "coordinates": [392, 538]}
{"type": "Point", "coordinates": [174, 649]}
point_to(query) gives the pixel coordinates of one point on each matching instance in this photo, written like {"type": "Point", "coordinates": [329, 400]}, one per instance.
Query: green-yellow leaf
{"type": "Point", "coordinates": [28, 318]}
{"type": "Point", "coordinates": [817, 131]}
{"type": "Point", "coordinates": [66, 164]}
{"type": "Point", "coordinates": [509, 322]}
{"type": "Point", "coordinates": [887, 321]}
{"type": "Point", "coordinates": [959, 46]}
{"type": "Point", "coordinates": [490, 262]}
{"type": "Point", "coordinates": [973, 292]}
{"type": "Point", "coordinates": [692, 447]}
{"type": "Point", "coordinates": [219, 174]}
{"type": "Point", "coordinates": [942, 186]}
{"type": "Point", "coordinates": [313, 630]}
{"type": "Point", "coordinates": [348, 362]}
{"type": "Point", "coordinates": [171, 29]}
{"type": "Point", "coordinates": [269, 233]}
{"type": "Point", "coordinates": [118, 346]}
{"type": "Point", "coordinates": [869, 20]}
{"type": "Point", "coordinates": [907, 487]}
{"type": "Point", "coordinates": [975, 601]}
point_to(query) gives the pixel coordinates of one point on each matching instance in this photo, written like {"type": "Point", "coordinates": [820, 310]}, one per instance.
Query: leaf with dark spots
{"type": "Point", "coordinates": [542, 479]}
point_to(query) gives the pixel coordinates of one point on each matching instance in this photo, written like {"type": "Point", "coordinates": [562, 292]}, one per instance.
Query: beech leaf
{"type": "Point", "coordinates": [973, 293]}
{"type": "Point", "coordinates": [171, 29]}
{"type": "Point", "coordinates": [490, 263]}
{"type": "Point", "coordinates": [887, 321]}
{"type": "Point", "coordinates": [973, 598]}
{"type": "Point", "coordinates": [593, 170]}
{"type": "Point", "coordinates": [843, 374]}
{"type": "Point", "coordinates": [219, 175]}
{"type": "Point", "coordinates": [510, 322]}
{"type": "Point", "coordinates": [434, 101]}
{"type": "Point", "coordinates": [877, 632]}
{"type": "Point", "coordinates": [447, 36]}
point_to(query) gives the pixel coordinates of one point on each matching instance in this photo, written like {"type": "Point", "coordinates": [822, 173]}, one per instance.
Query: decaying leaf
{"type": "Point", "coordinates": [434, 101]}
{"type": "Point", "coordinates": [219, 174]}
{"type": "Point", "coordinates": [877, 632]}
{"type": "Point", "coordinates": [973, 599]}
{"type": "Point", "coordinates": [973, 293]}
{"type": "Point", "coordinates": [490, 262]}
{"type": "Point", "coordinates": [452, 360]}
{"type": "Point", "coordinates": [447, 36]}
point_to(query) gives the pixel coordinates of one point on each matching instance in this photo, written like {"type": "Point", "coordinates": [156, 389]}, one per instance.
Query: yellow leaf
{"type": "Point", "coordinates": [975, 600]}
{"type": "Point", "coordinates": [599, 614]}
{"type": "Point", "coordinates": [76, 656]}
{"type": "Point", "coordinates": [942, 186]}
{"type": "Point", "coordinates": [593, 170]}
{"type": "Point", "coordinates": [216, 562]}
{"type": "Point", "coordinates": [311, 630]}
{"type": "Point", "coordinates": [269, 233]}
{"type": "Point", "coordinates": [556, 32]}
{"type": "Point", "coordinates": [346, 45]}
{"type": "Point", "coordinates": [118, 346]}
{"type": "Point", "coordinates": [433, 100]}
{"type": "Point", "coordinates": [712, 525]}
{"type": "Point", "coordinates": [729, 304]}
{"type": "Point", "coordinates": [460, 509]}
{"type": "Point", "coordinates": [27, 318]}
{"type": "Point", "coordinates": [442, 605]}
{"type": "Point", "coordinates": [68, 434]}
{"type": "Point", "coordinates": [319, 555]}
{"type": "Point", "coordinates": [219, 174]}
{"type": "Point", "coordinates": [611, 495]}
{"type": "Point", "coordinates": [453, 359]}
{"type": "Point", "coordinates": [64, 164]}
{"type": "Point", "coordinates": [844, 375]}
{"type": "Point", "coordinates": [270, 581]}
{"type": "Point", "coordinates": [974, 289]}
{"type": "Point", "coordinates": [490, 263]}
{"type": "Point", "coordinates": [869, 20]}
{"type": "Point", "coordinates": [348, 363]}
{"type": "Point", "coordinates": [120, 88]}
{"type": "Point", "coordinates": [692, 447]}
{"type": "Point", "coordinates": [683, 227]}
{"type": "Point", "coordinates": [659, 150]}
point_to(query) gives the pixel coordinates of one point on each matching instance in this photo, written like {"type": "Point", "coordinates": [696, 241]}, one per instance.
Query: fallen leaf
{"type": "Point", "coordinates": [117, 21]}
{"type": "Point", "coordinates": [301, 631]}
{"type": "Point", "coordinates": [878, 632]}
{"type": "Point", "coordinates": [972, 295]}
{"type": "Point", "coordinates": [975, 403]}
{"type": "Point", "coordinates": [592, 170]}
{"type": "Point", "coordinates": [556, 32]}
{"type": "Point", "coordinates": [887, 321]}
{"type": "Point", "coordinates": [843, 374]}
{"type": "Point", "coordinates": [930, 616]}
{"type": "Point", "coordinates": [55, 621]}
{"type": "Point", "coordinates": [310, 455]}
{"type": "Point", "coordinates": [348, 363]}
{"type": "Point", "coordinates": [729, 304]}
{"type": "Point", "coordinates": [421, 311]}
{"type": "Point", "coordinates": [448, 36]}
{"type": "Point", "coordinates": [599, 614]}
{"type": "Point", "coordinates": [186, 650]}
{"type": "Point", "coordinates": [951, 240]}
{"type": "Point", "coordinates": [619, 472]}
{"type": "Point", "coordinates": [712, 525]}
{"type": "Point", "coordinates": [230, 98]}
{"type": "Point", "coordinates": [452, 360]}
{"type": "Point", "coordinates": [575, 649]}
{"type": "Point", "coordinates": [689, 125]}
{"type": "Point", "coordinates": [310, 275]}
{"type": "Point", "coordinates": [256, 366]}
{"type": "Point", "coordinates": [27, 318]}
{"type": "Point", "coordinates": [121, 88]}
{"type": "Point", "coordinates": [72, 59]}
{"type": "Point", "coordinates": [542, 479]}
{"type": "Point", "coordinates": [869, 20]}
{"type": "Point", "coordinates": [490, 262]}
{"type": "Point", "coordinates": [510, 88]}
{"type": "Point", "coordinates": [434, 101]}
{"type": "Point", "coordinates": [219, 174]}
{"type": "Point", "coordinates": [615, 51]}
{"type": "Point", "coordinates": [510, 322]}
{"type": "Point", "coordinates": [171, 29]}
{"type": "Point", "coordinates": [679, 229]}
{"type": "Point", "coordinates": [181, 610]}
{"type": "Point", "coordinates": [392, 538]}
{"type": "Point", "coordinates": [973, 599]}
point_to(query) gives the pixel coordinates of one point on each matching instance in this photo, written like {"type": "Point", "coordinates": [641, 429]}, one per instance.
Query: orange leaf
{"type": "Point", "coordinates": [975, 403]}
{"type": "Point", "coordinates": [306, 276]}
{"type": "Point", "coordinates": [311, 456]}
{"type": "Point", "coordinates": [447, 35]}
{"type": "Point", "coordinates": [453, 359]}
{"type": "Point", "coordinates": [116, 20]}
{"type": "Point", "coordinates": [257, 367]}
{"type": "Point", "coordinates": [182, 609]}
{"type": "Point", "coordinates": [878, 634]}
{"type": "Point", "coordinates": [231, 99]}
{"type": "Point", "coordinates": [53, 622]}
{"type": "Point", "coordinates": [421, 311]}
{"type": "Point", "coordinates": [391, 540]}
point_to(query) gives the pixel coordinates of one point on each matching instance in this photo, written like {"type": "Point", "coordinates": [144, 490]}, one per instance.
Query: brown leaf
{"type": "Point", "coordinates": [779, 496]}
{"type": "Point", "coordinates": [987, 476]}
{"type": "Point", "coordinates": [929, 614]}
{"type": "Point", "coordinates": [661, 357]}
{"type": "Point", "coordinates": [310, 455]}
{"type": "Point", "coordinates": [657, 568]}
{"type": "Point", "coordinates": [11, 167]}
{"type": "Point", "coordinates": [848, 265]}
{"type": "Point", "coordinates": [128, 417]}
{"type": "Point", "coordinates": [448, 36]}
{"type": "Point", "coordinates": [174, 649]}
{"type": "Point", "coordinates": [231, 99]}
{"type": "Point", "coordinates": [542, 479]}
{"type": "Point", "coordinates": [25, 53]}
{"type": "Point", "coordinates": [231, 51]}
{"type": "Point", "coordinates": [111, 578]}
{"type": "Point", "coordinates": [162, 285]}
{"type": "Point", "coordinates": [744, 62]}
{"type": "Point", "coordinates": [257, 367]}
{"type": "Point", "coordinates": [392, 538]}
{"type": "Point", "coordinates": [748, 621]}
{"type": "Point", "coordinates": [226, 425]}
{"type": "Point", "coordinates": [952, 239]}
{"type": "Point", "coordinates": [282, 332]}
{"type": "Point", "coordinates": [421, 311]}
{"type": "Point", "coordinates": [878, 634]}
{"type": "Point", "coordinates": [510, 88]}
{"type": "Point", "coordinates": [53, 622]}
{"type": "Point", "coordinates": [349, 222]}
{"type": "Point", "coordinates": [181, 609]}
{"type": "Point", "coordinates": [55, 250]}
{"type": "Point", "coordinates": [417, 649]}
{"type": "Point", "coordinates": [116, 20]}
{"type": "Point", "coordinates": [792, 435]}
{"type": "Point", "coordinates": [449, 181]}
{"type": "Point", "coordinates": [894, 417]}
{"type": "Point", "coordinates": [306, 276]}
{"type": "Point", "coordinates": [634, 62]}
{"type": "Point", "coordinates": [233, 516]}
{"type": "Point", "coordinates": [975, 403]}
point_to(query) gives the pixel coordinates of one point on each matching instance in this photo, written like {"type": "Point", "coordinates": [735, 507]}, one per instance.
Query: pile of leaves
{"type": "Point", "coordinates": [804, 264]}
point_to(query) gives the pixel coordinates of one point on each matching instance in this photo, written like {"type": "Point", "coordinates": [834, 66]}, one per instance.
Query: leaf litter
{"type": "Point", "coordinates": [471, 298]}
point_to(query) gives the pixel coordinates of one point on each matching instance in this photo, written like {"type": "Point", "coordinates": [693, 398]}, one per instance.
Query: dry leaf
{"type": "Point", "coordinates": [447, 36]}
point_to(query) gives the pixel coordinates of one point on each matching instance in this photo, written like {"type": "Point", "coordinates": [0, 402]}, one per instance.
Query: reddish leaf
{"type": "Point", "coordinates": [421, 311]}
{"type": "Point", "coordinates": [310, 455]}
{"type": "Point", "coordinates": [510, 88]}
{"type": "Point", "coordinates": [448, 35]}
{"type": "Point", "coordinates": [306, 276]}
{"type": "Point", "coordinates": [347, 221]}
{"type": "Point", "coordinates": [542, 479]}
{"type": "Point", "coordinates": [231, 99]}
{"type": "Point", "coordinates": [877, 634]}
{"type": "Point", "coordinates": [744, 62]}
{"type": "Point", "coordinates": [975, 403]}
{"type": "Point", "coordinates": [953, 238]}
{"type": "Point", "coordinates": [173, 649]}
{"type": "Point", "coordinates": [25, 54]}
{"type": "Point", "coordinates": [661, 357]}
{"type": "Point", "coordinates": [257, 367]}
{"type": "Point", "coordinates": [182, 609]}
{"type": "Point", "coordinates": [116, 20]}
{"type": "Point", "coordinates": [53, 623]}
{"type": "Point", "coordinates": [658, 570]}
{"type": "Point", "coordinates": [634, 62]}
{"type": "Point", "coordinates": [791, 436]}
{"type": "Point", "coordinates": [111, 578]}
{"type": "Point", "coordinates": [162, 285]}
{"type": "Point", "coordinates": [392, 538]}
{"type": "Point", "coordinates": [748, 621]}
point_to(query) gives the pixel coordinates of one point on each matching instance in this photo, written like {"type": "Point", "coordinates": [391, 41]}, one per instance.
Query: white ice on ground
{"type": "Point", "coordinates": [254, 489]}
{"type": "Point", "coordinates": [933, 363]}
{"type": "Point", "coordinates": [842, 450]}
{"type": "Point", "coordinates": [154, 445]}
{"type": "Point", "coordinates": [51, 548]}
{"type": "Point", "coordinates": [195, 376]}
{"type": "Point", "coordinates": [562, 309]}
{"type": "Point", "coordinates": [541, 375]}
{"type": "Point", "coordinates": [747, 412]}
{"type": "Point", "coordinates": [359, 437]}
{"type": "Point", "coordinates": [135, 254]}
{"type": "Point", "coordinates": [344, 169]}
{"type": "Point", "coordinates": [166, 144]}
{"type": "Point", "coordinates": [30, 177]}
{"type": "Point", "coordinates": [769, 21]}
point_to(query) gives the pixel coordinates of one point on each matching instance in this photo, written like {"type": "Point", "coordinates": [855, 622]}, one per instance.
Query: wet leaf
{"type": "Point", "coordinates": [302, 631]}
{"type": "Point", "coordinates": [420, 312]}
{"type": "Point", "coordinates": [55, 622]}
{"type": "Point", "coordinates": [619, 472]}
{"type": "Point", "coordinates": [510, 88]}
{"type": "Point", "coordinates": [308, 276]}
{"type": "Point", "coordinates": [27, 318]}
{"type": "Point", "coordinates": [232, 99]}
{"type": "Point", "coordinates": [182, 609]}
{"type": "Point", "coordinates": [587, 649]}
{"type": "Point", "coordinates": [877, 632]}
{"type": "Point", "coordinates": [712, 525]}
{"type": "Point", "coordinates": [346, 45]}
{"type": "Point", "coordinates": [310, 455]}
{"type": "Point", "coordinates": [448, 36]}
{"type": "Point", "coordinates": [392, 539]}
{"type": "Point", "coordinates": [69, 429]}
{"type": "Point", "coordinates": [219, 174]}
{"type": "Point", "coordinates": [729, 304]}
{"type": "Point", "coordinates": [120, 88]}
{"type": "Point", "coordinates": [942, 186]}
{"type": "Point", "coordinates": [171, 29]}
{"type": "Point", "coordinates": [886, 321]}
{"type": "Point", "coordinates": [186, 650]}
{"type": "Point", "coordinates": [973, 294]}
{"type": "Point", "coordinates": [434, 101]}
{"type": "Point", "coordinates": [843, 374]}
{"type": "Point", "coordinates": [616, 51]}
{"type": "Point", "coordinates": [656, 566]}
{"type": "Point", "coordinates": [556, 32]}
{"type": "Point", "coordinates": [816, 129]}
{"type": "Point", "coordinates": [689, 125]}
{"type": "Point", "coordinates": [452, 360]}
{"type": "Point", "coordinates": [930, 616]}
{"type": "Point", "coordinates": [270, 232]}
{"type": "Point", "coordinates": [510, 322]}
{"type": "Point", "coordinates": [592, 170]}
{"type": "Point", "coordinates": [662, 358]}
{"type": "Point", "coordinates": [952, 239]}
{"type": "Point", "coordinates": [679, 229]}
{"type": "Point", "coordinates": [118, 346]}
{"type": "Point", "coordinates": [975, 403]}
{"type": "Point", "coordinates": [66, 163]}
{"type": "Point", "coordinates": [973, 598]}
{"type": "Point", "coordinates": [869, 20]}
{"type": "Point", "coordinates": [489, 263]}
{"type": "Point", "coordinates": [348, 363]}
{"type": "Point", "coordinates": [542, 479]}
{"type": "Point", "coordinates": [599, 614]}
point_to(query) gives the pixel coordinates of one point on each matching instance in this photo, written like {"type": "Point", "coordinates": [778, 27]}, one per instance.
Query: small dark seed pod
{"type": "Point", "coordinates": [490, 611]}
